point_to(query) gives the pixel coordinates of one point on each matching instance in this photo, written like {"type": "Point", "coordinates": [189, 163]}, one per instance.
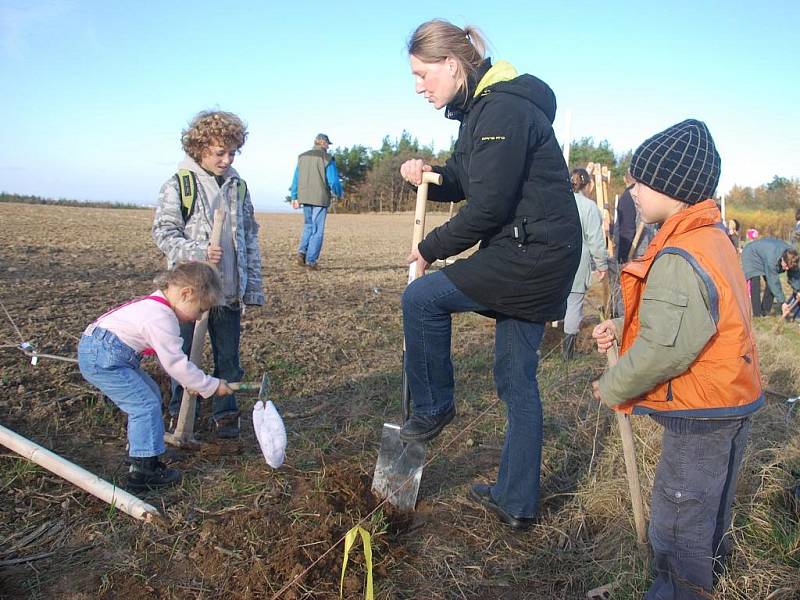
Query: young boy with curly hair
{"type": "Point", "coordinates": [205, 182]}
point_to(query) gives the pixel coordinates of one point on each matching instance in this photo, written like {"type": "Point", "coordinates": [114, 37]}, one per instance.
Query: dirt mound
{"type": "Point", "coordinates": [256, 551]}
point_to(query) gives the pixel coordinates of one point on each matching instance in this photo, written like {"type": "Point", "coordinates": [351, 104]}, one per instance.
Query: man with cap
{"type": "Point", "coordinates": [316, 179]}
{"type": "Point", "coordinates": [687, 357]}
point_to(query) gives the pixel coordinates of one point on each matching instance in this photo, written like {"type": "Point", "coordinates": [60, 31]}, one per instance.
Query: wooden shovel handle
{"type": "Point", "coordinates": [631, 470]}
{"type": "Point", "coordinates": [419, 230]}
{"type": "Point", "coordinates": [422, 198]}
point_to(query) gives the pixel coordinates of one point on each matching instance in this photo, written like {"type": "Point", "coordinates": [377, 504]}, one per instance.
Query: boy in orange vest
{"type": "Point", "coordinates": [687, 357]}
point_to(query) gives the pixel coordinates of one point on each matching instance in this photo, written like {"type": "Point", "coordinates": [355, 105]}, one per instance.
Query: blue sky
{"type": "Point", "coordinates": [95, 94]}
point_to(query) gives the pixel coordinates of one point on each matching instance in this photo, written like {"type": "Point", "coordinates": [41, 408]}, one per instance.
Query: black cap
{"type": "Point", "coordinates": [681, 162]}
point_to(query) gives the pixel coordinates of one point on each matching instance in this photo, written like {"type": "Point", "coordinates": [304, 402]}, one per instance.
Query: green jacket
{"type": "Point", "coordinates": [312, 183]}
{"type": "Point", "coordinates": [671, 336]}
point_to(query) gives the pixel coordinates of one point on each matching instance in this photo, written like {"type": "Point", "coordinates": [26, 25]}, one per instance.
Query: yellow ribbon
{"type": "Point", "coordinates": [349, 538]}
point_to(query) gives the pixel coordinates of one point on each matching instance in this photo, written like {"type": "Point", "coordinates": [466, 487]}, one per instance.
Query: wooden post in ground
{"type": "Point", "coordinates": [183, 436]}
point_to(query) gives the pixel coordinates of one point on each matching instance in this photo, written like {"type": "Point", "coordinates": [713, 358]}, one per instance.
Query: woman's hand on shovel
{"type": "Point", "coordinates": [412, 170]}
{"type": "Point", "coordinates": [422, 264]}
{"type": "Point", "coordinates": [605, 333]}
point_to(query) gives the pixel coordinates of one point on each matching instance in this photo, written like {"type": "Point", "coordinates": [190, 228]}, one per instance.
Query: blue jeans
{"type": "Point", "coordinates": [224, 324]}
{"type": "Point", "coordinates": [113, 367]}
{"type": "Point", "coordinates": [428, 304]}
{"type": "Point", "coordinates": [313, 232]}
{"type": "Point", "coordinates": [690, 511]}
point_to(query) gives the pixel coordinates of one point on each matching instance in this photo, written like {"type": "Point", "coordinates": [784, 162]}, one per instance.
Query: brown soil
{"type": "Point", "coordinates": [331, 342]}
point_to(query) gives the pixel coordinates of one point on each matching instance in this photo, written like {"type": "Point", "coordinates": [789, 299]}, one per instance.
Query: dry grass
{"type": "Point", "coordinates": [331, 343]}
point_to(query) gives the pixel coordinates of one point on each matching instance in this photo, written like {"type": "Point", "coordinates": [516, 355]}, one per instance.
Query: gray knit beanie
{"type": "Point", "coordinates": [681, 162]}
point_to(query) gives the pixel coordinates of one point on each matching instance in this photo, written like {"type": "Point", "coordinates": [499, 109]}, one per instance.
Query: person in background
{"type": "Point", "coordinates": [764, 260]}
{"type": "Point", "coordinates": [628, 245]}
{"type": "Point", "coordinates": [796, 231]}
{"type": "Point", "coordinates": [592, 252]}
{"type": "Point", "coordinates": [735, 233]}
{"type": "Point", "coordinates": [625, 222]}
{"type": "Point", "coordinates": [316, 180]}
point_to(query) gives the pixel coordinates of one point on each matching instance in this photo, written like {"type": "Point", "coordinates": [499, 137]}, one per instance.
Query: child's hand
{"type": "Point", "coordinates": [605, 334]}
{"type": "Point", "coordinates": [596, 391]}
{"type": "Point", "coordinates": [223, 389]}
{"type": "Point", "coordinates": [295, 204]}
{"type": "Point", "coordinates": [214, 254]}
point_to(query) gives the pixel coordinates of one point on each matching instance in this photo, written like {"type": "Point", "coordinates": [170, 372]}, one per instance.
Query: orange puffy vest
{"type": "Point", "coordinates": [724, 380]}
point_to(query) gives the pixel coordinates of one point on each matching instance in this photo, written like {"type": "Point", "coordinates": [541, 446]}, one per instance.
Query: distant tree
{"type": "Point", "coordinates": [741, 196]}
{"type": "Point", "coordinates": [584, 151]}
{"type": "Point", "coordinates": [779, 194]}
{"type": "Point", "coordinates": [353, 164]}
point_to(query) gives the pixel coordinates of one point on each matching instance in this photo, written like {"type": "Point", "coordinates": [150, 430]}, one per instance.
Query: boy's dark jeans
{"type": "Point", "coordinates": [693, 491]}
{"type": "Point", "coordinates": [761, 306]}
{"type": "Point", "coordinates": [224, 330]}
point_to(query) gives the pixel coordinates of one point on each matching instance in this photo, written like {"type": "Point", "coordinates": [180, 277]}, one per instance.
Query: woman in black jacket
{"type": "Point", "coordinates": [508, 166]}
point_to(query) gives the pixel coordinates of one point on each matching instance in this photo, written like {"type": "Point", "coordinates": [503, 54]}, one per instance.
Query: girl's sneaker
{"type": "Point", "coordinates": [149, 473]}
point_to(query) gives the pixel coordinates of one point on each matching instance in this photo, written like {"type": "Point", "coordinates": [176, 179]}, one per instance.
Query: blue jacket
{"type": "Point", "coordinates": [331, 174]}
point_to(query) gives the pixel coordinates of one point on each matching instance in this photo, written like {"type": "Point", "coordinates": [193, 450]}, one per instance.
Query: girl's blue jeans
{"type": "Point", "coordinates": [113, 367]}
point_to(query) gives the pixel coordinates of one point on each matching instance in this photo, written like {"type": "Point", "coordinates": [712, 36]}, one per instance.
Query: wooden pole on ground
{"type": "Point", "coordinates": [79, 476]}
{"type": "Point", "coordinates": [183, 436]}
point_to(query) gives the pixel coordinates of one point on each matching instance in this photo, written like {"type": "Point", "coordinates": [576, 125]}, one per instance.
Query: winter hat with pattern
{"type": "Point", "coordinates": [681, 162]}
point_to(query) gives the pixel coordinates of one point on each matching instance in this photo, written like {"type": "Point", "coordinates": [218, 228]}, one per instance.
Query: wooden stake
{"type": "Point", "coordinates": [183, 436]}
{"type": "Point", "coordinates": [79, 476]}
{"type": "Point", "coordinates": [631, 470]}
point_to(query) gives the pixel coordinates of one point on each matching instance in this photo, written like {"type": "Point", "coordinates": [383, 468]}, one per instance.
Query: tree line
{"type": "Point", "coordinates": [779, 194]}
{"type": "Point", "coordinates": [372, 182]}
{"type": "Point", "coordinates": [28, 199]}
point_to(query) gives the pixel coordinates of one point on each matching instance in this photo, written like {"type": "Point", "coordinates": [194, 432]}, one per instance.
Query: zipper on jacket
{"type": "Point", "coordinates": [669, 391]}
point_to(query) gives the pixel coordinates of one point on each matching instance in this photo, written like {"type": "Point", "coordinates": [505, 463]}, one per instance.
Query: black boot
{"type": "Point", "coordinates": [421, 428]}
{"type": "Point", "coordinates": [228, 425]}
{"type": "Point", "coordinates": [482, 494]}
{"type": "Point", "coordinates": [148, 473]}
{"type": "Point", "coordinates": [568, 346]}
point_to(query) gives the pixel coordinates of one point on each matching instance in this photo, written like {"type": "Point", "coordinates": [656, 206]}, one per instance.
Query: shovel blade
{"type": "Point", "coordinates": [399, 469]}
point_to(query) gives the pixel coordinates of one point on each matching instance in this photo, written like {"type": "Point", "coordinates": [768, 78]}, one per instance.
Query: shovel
{"type": "Point", "coordinates": [398, 470]}
{"type": "Point", "coordinates": [267, 423]}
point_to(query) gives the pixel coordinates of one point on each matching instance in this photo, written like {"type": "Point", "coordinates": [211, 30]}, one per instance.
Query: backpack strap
{"type": "Point", "coordinates": [241, 188]}
{"type": "Point", "coordinates": [187, 188]}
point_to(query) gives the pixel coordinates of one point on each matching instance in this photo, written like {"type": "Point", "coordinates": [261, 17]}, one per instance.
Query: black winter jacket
{"type": "Point", "coordinates": [509, 167]}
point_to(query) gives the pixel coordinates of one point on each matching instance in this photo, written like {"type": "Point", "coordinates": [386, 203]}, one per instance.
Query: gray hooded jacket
{"type": "Point", "coordinates": [189, 241]}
